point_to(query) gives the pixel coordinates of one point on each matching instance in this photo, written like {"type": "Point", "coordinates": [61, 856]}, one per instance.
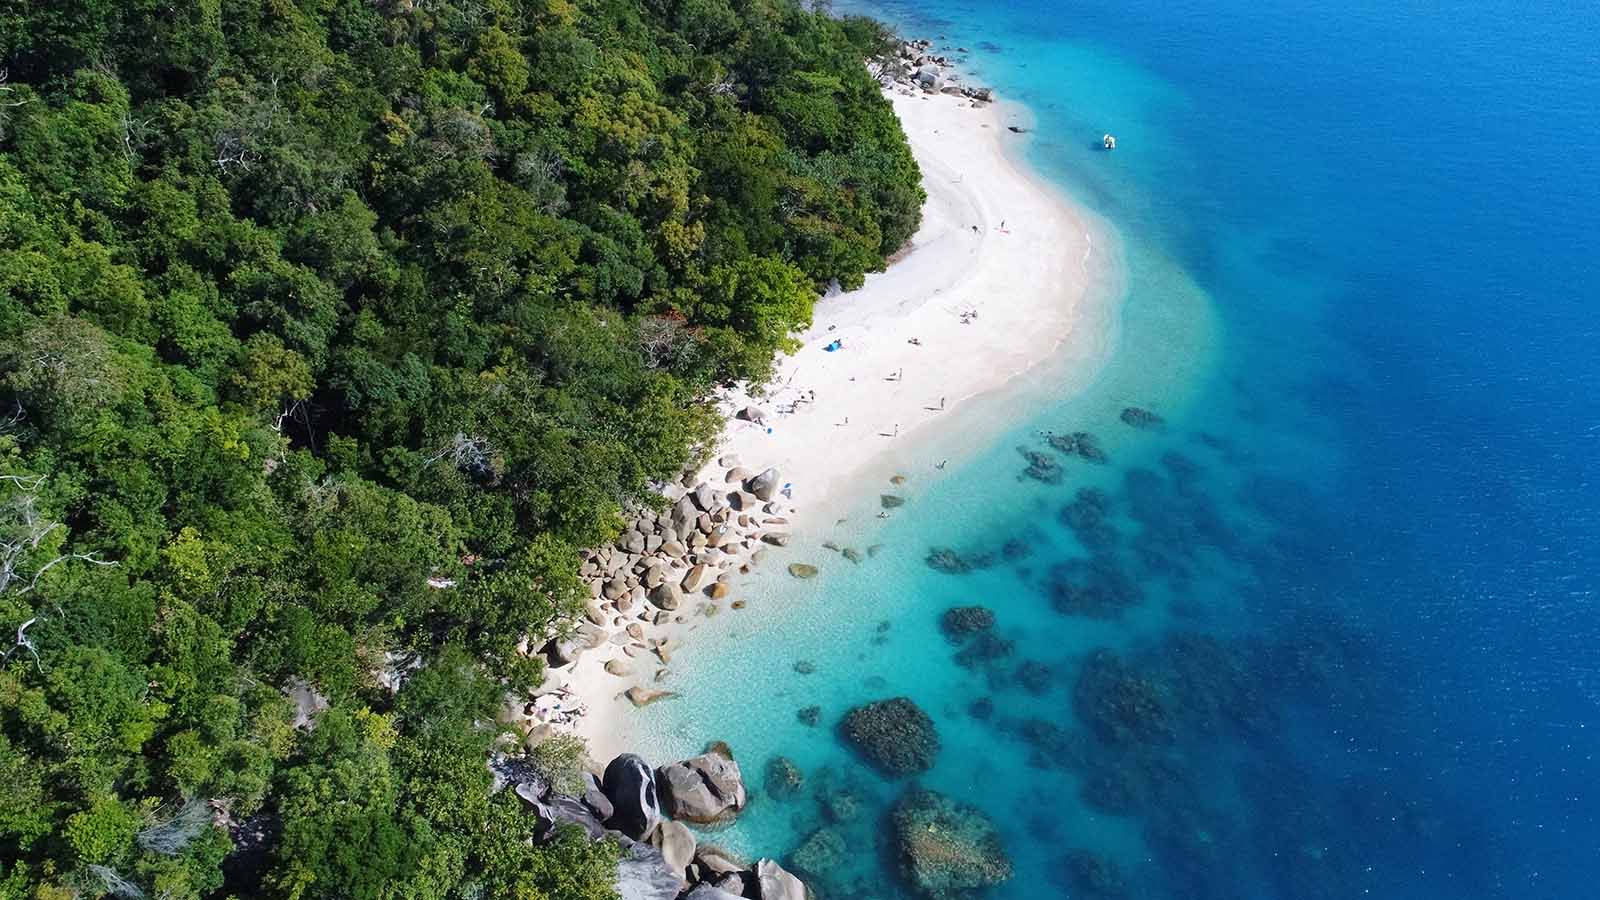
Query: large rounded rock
{"type": "Point", "coordinates": [708, 788]}
{"type": "Point", "coordinates": [707, 891]}
{"type": "Point", "coordinates": [631, 788]}
{"type": "Point", "coordinates": [677, 845]}
{"type": "Point", "coordinates": [777, 884]}
{"type": "Point", "coordinates": [947, 850]}
{"type": "Point", "coordinates": [643, 874]}
{"type": "Point", "coordinates": [764, 486]}
{"type": "Point", "coordinates": [894, 734]}
{"type": "Point", "coordinates": [558, 809]}
{"type": "Point", "coordinates": [666, 596]}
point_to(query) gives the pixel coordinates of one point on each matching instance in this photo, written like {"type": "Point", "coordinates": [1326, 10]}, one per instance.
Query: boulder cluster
{"type": "Point", "coordinates": [913, 66]}
{"type": "Point", "coordinates": [643, 810]}
{"type": "Point", "coordinates": [669, 564]}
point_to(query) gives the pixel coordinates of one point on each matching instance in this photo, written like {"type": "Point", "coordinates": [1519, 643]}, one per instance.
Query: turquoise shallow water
{"type": "Point", "coordinates": [1334, 633]}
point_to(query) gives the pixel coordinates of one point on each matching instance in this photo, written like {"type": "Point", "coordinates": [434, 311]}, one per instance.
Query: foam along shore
{"type": "Point", "coordinates": [988, 288]}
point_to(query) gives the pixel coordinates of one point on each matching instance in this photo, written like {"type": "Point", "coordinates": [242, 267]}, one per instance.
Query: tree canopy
{"type": "Point", "coordinates": [329, 329]}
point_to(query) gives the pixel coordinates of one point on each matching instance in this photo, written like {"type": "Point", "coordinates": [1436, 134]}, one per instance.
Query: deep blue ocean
{"type": "Point", "coordinates": [1329, 631]}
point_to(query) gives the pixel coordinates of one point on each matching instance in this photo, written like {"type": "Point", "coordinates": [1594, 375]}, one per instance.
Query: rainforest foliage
{"type": "Point", "coordinates": [328, 330]}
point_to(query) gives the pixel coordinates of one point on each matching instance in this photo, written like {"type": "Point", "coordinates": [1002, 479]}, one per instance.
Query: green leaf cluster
{"type": "Point", "coordinates": [329, 329]}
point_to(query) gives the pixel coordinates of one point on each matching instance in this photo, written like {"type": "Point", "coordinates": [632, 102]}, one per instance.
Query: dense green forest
{"type": "Point", "coordinates": [329, 329]}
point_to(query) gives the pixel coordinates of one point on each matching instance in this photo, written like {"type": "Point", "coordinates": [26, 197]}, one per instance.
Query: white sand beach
{"type": "Point", "coordinates": [995, 243]}
{"type": "Point", "coordinates": [990, 287]}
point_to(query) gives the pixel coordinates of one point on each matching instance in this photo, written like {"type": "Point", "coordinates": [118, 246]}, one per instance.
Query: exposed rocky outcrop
{"type": "Point", "coordinates": [643, 874]}
{"type": "Point", "coordinates": [631, 787]}
{"type": "Point", "coordinates": [912, 67]}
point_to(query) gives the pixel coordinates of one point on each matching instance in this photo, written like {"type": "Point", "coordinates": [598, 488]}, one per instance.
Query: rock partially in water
{"type": "Point", "coordinates": [643, 696]}
{"type": "Point", "coordinates": [784, 779]}
{"type": "Point", "coordinates": [1139, 417]}
{"type": "Point", "coordinates": [777, 884]}
{"type": "Point", "coordinates": [894, 734]}
{"type": "Point", "coordinates": [946, 849]}
{"type": "Point", "coordinates": [705, 789]}
{"type": "Point", "coordinates": [962, 622]}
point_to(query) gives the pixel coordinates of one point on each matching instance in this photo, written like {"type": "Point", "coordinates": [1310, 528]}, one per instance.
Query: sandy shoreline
{"type": "Point", "coordinates": [995, 241]}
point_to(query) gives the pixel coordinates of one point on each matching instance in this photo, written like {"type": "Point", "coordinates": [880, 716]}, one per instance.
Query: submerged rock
{"type": "Point", "coordinates": [891, 501]}
{"type": "Point", "coordinates": [1080, 444]}
{"type": "Point", "coordinates": [1034, 676]}
{"type": "Point", "coordinates": [1092, 876]}
{"type": "Point", "coordinates": [802, 570]}
{"type": "Point", "coordinates": [1041, 467]}
{"type": "Point", "coordinates": [950, 562]}
{"type": "Point", "coordinates": [1139, 417]}
{"type": "Point", "coordinates": [1095, 587]}
{"type": "Point", "coordinates": [947, 849]}
{"type": "Point", "coordinates": [1121, 705]}
{"type": "Point", "coordinates": [961, 622]}
{"type": "Point", "coordinates": [784, 778]}
{"type": "Point", "coordinates": [894, 734]}
{"type": "Point", "coordinates": [984, 649]}
{"type": "Point", "coordinates": [810, 715]}
{"type": "Point", "coordinates": [823, 852]}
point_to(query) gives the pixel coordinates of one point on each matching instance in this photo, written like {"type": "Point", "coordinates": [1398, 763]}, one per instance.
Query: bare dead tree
{"type": "Point", "coordinates": [22, 531]}
{"type": "Point", "coordinates": [662, 340]}
{"type": "Point", "coordinates": [9, 100]}
{"type": "Point", "coordinates": [172, 835]}
{"type": "Point", "coordinates": [115, 884]}
{"type": "Point", "coordinates": [466, 452]}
